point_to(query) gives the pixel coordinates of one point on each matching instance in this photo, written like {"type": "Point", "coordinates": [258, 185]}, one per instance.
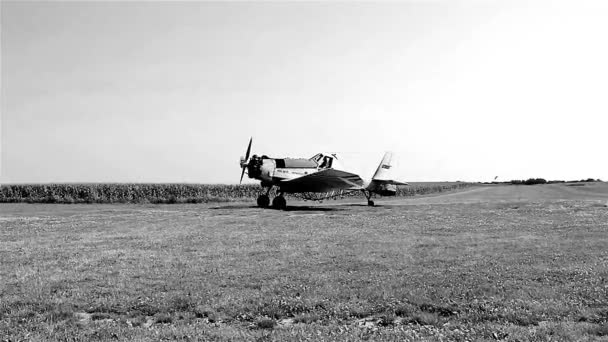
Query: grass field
{"type": "Point", "coordinates": [514, 263]}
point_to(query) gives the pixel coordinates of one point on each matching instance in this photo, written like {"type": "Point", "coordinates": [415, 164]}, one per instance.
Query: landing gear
{"type": "Point", "coordinates": [368, 195]}
{"type": "Point", "coordinates": [279, 202]}
{"type": "Point", "coordinates": [263, 201]}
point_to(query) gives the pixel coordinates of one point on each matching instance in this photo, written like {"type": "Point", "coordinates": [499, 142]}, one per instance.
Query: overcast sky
{"type": "Point", "coordinates": [172, 91]}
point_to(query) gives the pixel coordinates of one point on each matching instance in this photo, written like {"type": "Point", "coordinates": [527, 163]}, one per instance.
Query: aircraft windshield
{"type": "Point", "coordinates": [324, 161]}
{"type": "Point", "coordinates": [317, 157]}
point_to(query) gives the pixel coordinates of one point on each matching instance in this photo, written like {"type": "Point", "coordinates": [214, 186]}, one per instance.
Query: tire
{"type": "Point", "coordinates": [263, 201]}
{"type": "Point", "coordinates": [279, 203]}
{"type": "Point", "coordinates": [370, 203]}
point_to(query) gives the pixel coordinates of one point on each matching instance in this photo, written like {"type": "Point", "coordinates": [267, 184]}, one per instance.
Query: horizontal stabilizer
{"type": "Point", "coordinates": [389, 181]}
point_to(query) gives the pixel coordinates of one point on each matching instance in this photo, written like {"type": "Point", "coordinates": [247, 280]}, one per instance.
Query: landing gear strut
{"type": "Point", "coordinates": [368, 195]}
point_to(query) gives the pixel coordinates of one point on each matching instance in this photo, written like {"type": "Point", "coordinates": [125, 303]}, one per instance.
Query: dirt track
{"type": "Point", "coordinates": [509, 193]}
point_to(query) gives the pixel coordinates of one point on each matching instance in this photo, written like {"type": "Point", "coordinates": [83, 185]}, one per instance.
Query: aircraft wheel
{"type": "Point", "coordinates": [263, 201]}
{"type": "Point", "coordinates": [370, 203]}
{"type": "Point", "coordinates": [279, 202]}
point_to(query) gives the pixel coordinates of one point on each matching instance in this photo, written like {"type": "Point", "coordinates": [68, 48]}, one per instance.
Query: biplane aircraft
{"type": "Point", "coordinates": [320, 177]}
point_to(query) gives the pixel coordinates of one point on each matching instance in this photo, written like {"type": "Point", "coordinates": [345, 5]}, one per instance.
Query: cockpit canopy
{"type": "Point", "coordinates": [324, 161]}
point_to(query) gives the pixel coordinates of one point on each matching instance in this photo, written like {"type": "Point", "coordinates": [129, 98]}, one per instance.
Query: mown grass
{"type": "Point", "coordinates": [165, 193]}
{"type": "Point", "coordinates": [525, 271]}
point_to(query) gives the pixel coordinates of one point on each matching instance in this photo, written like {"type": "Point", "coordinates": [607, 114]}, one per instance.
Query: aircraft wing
{"type": "Point", "coordinates": [323, 181]}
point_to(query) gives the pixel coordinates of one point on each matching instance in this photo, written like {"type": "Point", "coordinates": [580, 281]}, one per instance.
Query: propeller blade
{"type": "Point", "coordinates": [248, 150]}
{"type": "Point", "coordinates": [242, 173]}
{"type": "Point", "coordinates": [246, 159]}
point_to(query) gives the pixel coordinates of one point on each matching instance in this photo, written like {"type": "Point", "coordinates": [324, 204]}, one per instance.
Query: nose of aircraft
{"type": "Point", "coordinates": [267, 169]}
{"type": "Point", "coordinates": [261, 168]}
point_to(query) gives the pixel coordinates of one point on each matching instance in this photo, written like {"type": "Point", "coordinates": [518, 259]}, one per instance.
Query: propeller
{"type": "Point", "coordinates": [244, 161]}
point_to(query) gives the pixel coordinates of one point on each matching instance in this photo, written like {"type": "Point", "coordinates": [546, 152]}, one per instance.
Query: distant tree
{"type": "Point", "coordinates": [532, 181]}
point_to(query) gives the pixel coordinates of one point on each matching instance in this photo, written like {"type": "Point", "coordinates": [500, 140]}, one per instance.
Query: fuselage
{"type": "Point", "coordinates": [272, 171]}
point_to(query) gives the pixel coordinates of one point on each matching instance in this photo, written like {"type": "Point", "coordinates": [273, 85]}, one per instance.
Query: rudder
{"type": "Point", "coordinates": [385, 165]}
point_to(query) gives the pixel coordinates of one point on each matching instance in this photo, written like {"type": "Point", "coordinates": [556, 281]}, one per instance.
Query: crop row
{"type": "Point", "coordinates": [162, 193]}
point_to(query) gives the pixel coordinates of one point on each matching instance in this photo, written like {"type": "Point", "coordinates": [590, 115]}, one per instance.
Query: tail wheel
{"type": "Point", "coordinates": [263, 201]}
{"type": "Point", "coordinates": [279, 202]}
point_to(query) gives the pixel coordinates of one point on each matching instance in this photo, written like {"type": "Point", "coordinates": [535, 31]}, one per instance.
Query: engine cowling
{"type": "Point", "coordinates": [254, 167]}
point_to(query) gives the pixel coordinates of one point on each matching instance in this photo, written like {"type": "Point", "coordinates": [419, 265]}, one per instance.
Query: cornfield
{"type": "Point", "coordinates": [164, 193]}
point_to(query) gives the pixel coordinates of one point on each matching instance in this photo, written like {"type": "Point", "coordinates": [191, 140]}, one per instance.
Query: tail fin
{"type": "Point", "coordinates": [381, 182]}
{"type": "Point", "coordinates": [385, 165]}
